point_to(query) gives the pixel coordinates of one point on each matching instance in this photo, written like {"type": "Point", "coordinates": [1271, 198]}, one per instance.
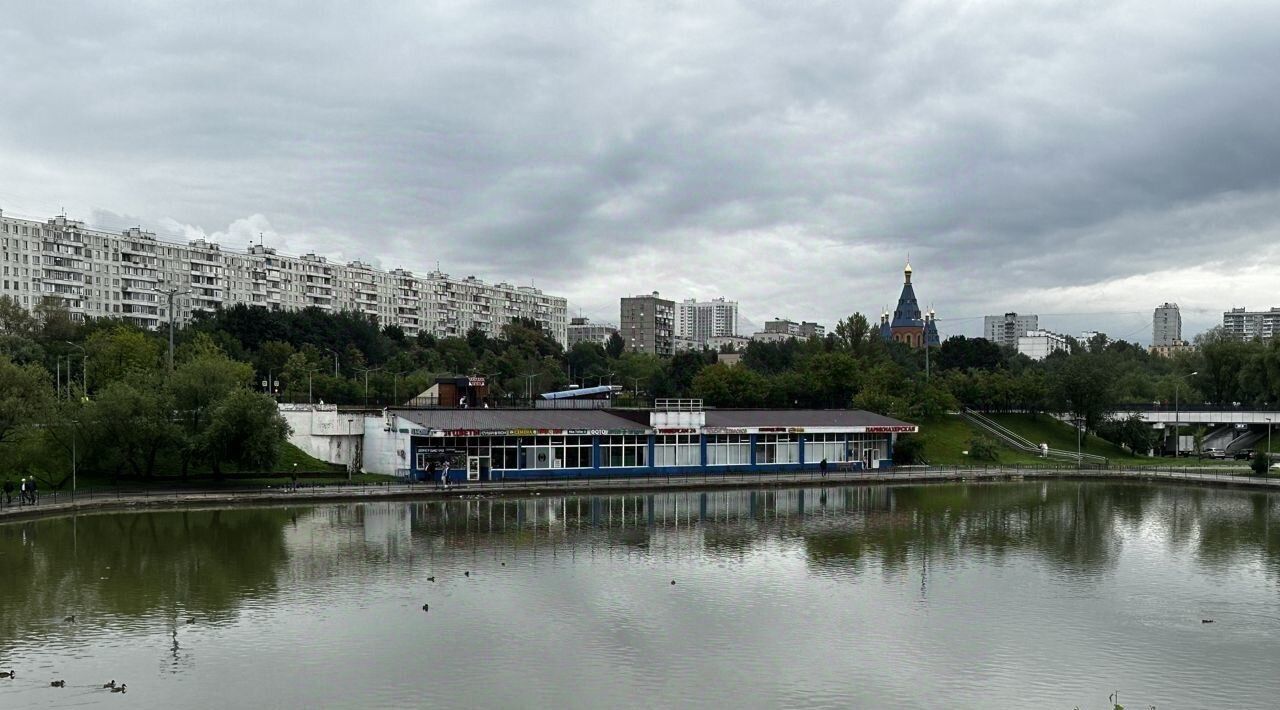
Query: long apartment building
{"type": "Point", "coordinates": [1246, 324]}
{"type": "Point", "coordinates": [95, 273]}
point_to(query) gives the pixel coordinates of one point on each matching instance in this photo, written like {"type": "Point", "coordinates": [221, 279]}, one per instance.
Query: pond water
{"type": "Point", "coordinates": [1044, 594]}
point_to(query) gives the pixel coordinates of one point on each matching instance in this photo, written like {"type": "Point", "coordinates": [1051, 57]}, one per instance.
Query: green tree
{"type": "Point", "coordinates": [983, 448]}
{"type": "Point", "coordinates": [1131, 432]}
{"type": "Point", "coordinates": [1083, 388]}
{"type": "Point", "coordinates": [26, 399]}
{"type": "Point", "coordinates": [197, 387]}
{"type": "Point", "coordinates": [16, 320]}
{"type": "Point", "coordinates": [128, 426]}
{"type": "Point", "coordinates": [245, 429]}
{"type": "Point", "coordinates": [1260, 463]}
{"type": "Point", "coordinates": [615, 346]}
{"type": "Point", "coordinates": [725, 386]}
{"type": "Point", "coordinates": [120, 353]}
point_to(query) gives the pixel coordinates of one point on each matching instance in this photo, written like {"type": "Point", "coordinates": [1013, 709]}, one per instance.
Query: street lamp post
{"type": "Point", "coordinates": [1176, 413]}
{"type": "Point", "coordinates": [395, 386]}
{"type": "Point", "coordinates": [366, 372]}
{"type": "Point", "coordinates": [335, 361]}
{"type": "Point", "coordinates": [84, 369]}
{"type": "Point", "coordinates": [1079, 456]}
{"type": "Point", "coordinates": [170, 293]}
{"type": "Point", "coordinates": [310, 372]}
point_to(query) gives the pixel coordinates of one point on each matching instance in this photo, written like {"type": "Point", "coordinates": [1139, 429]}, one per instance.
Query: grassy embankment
{"type": "Point", "coordinates": [1060, 435]}
{"type": "Point", "coordinates": [948, 437]}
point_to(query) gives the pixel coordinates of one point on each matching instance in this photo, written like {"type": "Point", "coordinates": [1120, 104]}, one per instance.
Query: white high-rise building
{"type": "Point", "coordinates": [1166, 325]}
{"type": "Point", "coordinates": [699, 321]}
{"type": "Point", "coordinates": [1006, 329]}
{"type": "Point", "coordinates": [95, 273]}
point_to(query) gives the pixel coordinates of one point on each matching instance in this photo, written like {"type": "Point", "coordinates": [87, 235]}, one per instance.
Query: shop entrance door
{"type": "Point", "coordinates": [477, 468]}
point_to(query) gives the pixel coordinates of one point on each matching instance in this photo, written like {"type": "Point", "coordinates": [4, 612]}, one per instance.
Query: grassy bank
{"type": "Point", "coordinates": [1039, 428]}
{"type": "Point", "coordinates": [947, 438]}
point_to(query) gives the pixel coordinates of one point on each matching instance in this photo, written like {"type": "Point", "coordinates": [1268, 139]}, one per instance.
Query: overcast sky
{"type": "Point", "coordinates": [1059, 158]}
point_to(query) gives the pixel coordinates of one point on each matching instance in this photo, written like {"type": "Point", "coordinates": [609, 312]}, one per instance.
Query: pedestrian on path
{"type": "Point", "coordinates": [8, 491]}
{"type": "Point", "coordinates": [823, 468]}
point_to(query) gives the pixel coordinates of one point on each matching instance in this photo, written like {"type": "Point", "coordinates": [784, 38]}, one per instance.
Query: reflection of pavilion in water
{"type": "Point", "coordinates": [655, 510]}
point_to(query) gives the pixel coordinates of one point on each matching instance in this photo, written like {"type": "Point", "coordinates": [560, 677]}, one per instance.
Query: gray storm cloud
{"type": "Point", "coordinates": [1030, 157]}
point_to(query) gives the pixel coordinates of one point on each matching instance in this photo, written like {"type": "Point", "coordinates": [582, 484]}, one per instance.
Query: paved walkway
{"type": "Point", "coordinates": [65, 503]}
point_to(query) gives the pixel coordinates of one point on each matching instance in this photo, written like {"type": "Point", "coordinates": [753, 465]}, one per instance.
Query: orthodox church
{"type": "Point", "coordinates": [908, 325]}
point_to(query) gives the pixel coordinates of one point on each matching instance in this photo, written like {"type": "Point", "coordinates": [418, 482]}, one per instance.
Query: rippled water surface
{"type": "Point", "coordinates": [1002, 595]}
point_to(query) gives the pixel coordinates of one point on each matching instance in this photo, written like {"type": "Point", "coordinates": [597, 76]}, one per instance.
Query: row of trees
{"type": "Point", "coordinates": [345, 358]}
{"type": "Point", "coordinates": [99, 398]}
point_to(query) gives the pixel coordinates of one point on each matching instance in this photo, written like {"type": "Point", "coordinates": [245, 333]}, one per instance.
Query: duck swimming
{"type": "Point", "coordinates": [10, 674]}
{"type": "Point", "coordinates": [58, 684]}
{"type": "Point", "coordinates": [119, 689]}
{"type": "Point", "coordinates": [112, 684]}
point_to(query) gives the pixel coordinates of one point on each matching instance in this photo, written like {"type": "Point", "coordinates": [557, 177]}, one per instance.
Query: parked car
{"type": "Point", "coordinates": [1244, 455]}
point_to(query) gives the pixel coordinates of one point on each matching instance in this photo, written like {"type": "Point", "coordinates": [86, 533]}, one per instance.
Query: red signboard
{"type": "Point", "coordinates": [893, 429]}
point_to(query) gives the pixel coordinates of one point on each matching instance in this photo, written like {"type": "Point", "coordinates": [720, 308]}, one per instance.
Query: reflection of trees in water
{"type": "Point", "coordinates": [1070, 525]}
{"type": "Point", "coordinates": [208, 563]}
{"type": "Point", "coordinates": [127, 565]}
{"type": "Point", "coordinates": [1239, 528]}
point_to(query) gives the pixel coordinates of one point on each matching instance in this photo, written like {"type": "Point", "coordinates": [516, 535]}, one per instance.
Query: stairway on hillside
{"type": "Point", "coordinates": [1021, 443]}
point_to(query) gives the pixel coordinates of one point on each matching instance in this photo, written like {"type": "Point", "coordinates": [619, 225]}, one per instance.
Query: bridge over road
{"type": "Point", "coordinates": [1200, 414]}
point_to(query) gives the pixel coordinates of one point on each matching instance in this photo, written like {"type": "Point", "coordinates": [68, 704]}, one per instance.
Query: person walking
{"type": "Point", "coordinates": [22, 492]}
{"type": "Point", "coordinates": [8, 491]}
{"type": "Point", "coordinates": [823, 468]}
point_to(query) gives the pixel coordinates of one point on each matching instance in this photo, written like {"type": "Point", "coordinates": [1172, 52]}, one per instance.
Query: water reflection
{"type": "Point", "coordinates": [209, 562]}
{"type": "Point", "coordinates": [143, 576]}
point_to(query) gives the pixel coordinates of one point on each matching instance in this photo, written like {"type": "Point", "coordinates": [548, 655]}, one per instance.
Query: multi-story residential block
{"type": "Point", "coordinates": [1006, 329]}
{"type": "Point", "coordinates": [95, 273]}
{"type": "Point", "coordinates": [699, 321]}
{"type": "Point", "coordinates": [802, 330]}
{"type": "Point", "coordinates": [1166, 325]}
{"type": "Point", "coordinates": [732, 343]}
{"type": "Point", "coordinates": [1038, 344]}
{"type": "Point", "coordinates": [1245, 324]}
{"type": "Point", "coordinates": [647, 324]}
{"type": "Point", "coordinates": [582, 330]}
{"type": "Point", "coordinates": [1087, 337]}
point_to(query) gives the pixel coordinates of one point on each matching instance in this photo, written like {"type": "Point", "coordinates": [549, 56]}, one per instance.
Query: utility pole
{"type": "Point", "coordinates": [170, 293]}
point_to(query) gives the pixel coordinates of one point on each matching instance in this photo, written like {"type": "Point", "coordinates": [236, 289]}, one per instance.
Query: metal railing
{"type": "Point", "coordinates": [1017, 441]}
{"type": "Point", "coordinates": [664, 404]}
{"type": "Point", "coordinates": [650, 479]}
